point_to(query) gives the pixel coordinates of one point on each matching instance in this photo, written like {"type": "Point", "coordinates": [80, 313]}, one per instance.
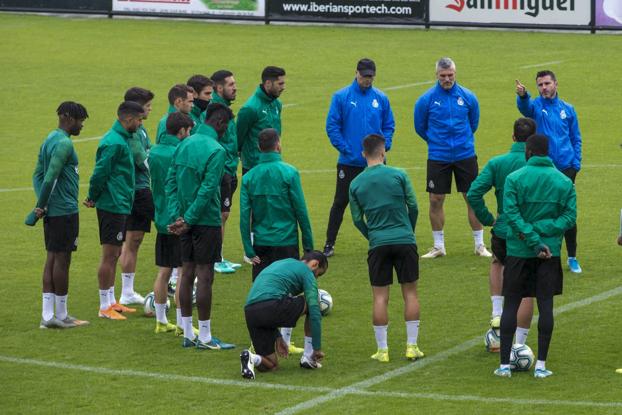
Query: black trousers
{"type": "Point", "coordinates": [571, 234]}
{"type": "Point", "coordinates": [345, 175]}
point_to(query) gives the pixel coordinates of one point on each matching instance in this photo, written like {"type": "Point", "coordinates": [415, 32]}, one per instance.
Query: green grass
{"type": "Point", "coordinates": [45, 60]}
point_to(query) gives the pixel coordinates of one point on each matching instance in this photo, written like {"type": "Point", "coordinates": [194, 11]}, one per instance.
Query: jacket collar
{"type": "Point", "coordinates": [117, 127]}
{"type": "Point", "coordinates": [207, 130]}
{"type": "Point", "coordinates": [450, 91]}
{"type": "Point", "coordinates": [355, 85]}
{"type": "Point", "coordinates": [518, 147]}
{"type": "Point", "coordinates": [261, 94]}
{"type": "Point", "coordinates": [169, 140]}
{"type": "Point", "coordinates": [268, 157]}
{"type": "Point", "coordinates": [220, 100]}
{"type": "Point", "coordinates": [171, 109]}
{"type": "Point", "coordinates": [553, 100]}
{"type": "Point", "coordinates": [540, 161]}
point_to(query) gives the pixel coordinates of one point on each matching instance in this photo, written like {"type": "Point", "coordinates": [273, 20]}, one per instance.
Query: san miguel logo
{"type": "Point", "coordinates": [530, 7]}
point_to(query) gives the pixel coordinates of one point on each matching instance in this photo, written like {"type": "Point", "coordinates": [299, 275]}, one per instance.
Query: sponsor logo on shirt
{"type": "Point", "coordinates": [353, 103]}
{"type": "Point", "coordinates": [563, 115]}
{"type": "Point", "coordinates": [545, 111]}
{"type": "Point", "coordinates": [374, 103]}
{"type": "Point", "coordinates": [460, 101]}
{"type": "Point", "coordinates": [437, 103]}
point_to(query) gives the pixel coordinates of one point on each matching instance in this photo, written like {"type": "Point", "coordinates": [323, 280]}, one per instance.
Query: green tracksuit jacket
{"type": "Point", "coordinates": [259, 112]}
{"type": "Point", "coordinates": [493, 175]}
{"type": "Point", "coordinates": [161, 132]}
{"type": "Point", "coordinates": [272, 206]}
{"type": "Point", "coordinates": [385, 197]}
{"type": "Point", "coordinates": [540, 204]}
{"type": "Point", "coordinates": [112, 182]}
{"type": "Point", "coordinates": [56, 177]}
{"type": "Point", "coordinates": [229, 140]}
{"type": "Point", "coordinates": [290, 277]}
{"type": "Point", "coordinates": [160, 158]}
{"type": "Point", "coordinates": [193, 180]}
{"type": "Point", "coordinates": [140, 144]}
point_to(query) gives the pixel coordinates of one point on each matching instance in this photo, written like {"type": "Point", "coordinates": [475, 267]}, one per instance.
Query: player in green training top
{"type": "Point", "coordinates": [203, 88]}
{"type": "Point", "coordinates": [384, 210]}
{"type": "Point", "coordinates": [180, 99]}
{"type": "Point", "coordinates": [56, 185]}
{"type": "Point", "coordinates": [274, 301]}
{"type": "Point", "coordinates": [139, 220]}
{"type": "Point", "coordinates": [493, 175]}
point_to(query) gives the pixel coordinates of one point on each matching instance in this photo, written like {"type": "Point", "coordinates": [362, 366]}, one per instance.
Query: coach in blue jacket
{"type": "Point", "coordinates": [557, 120]}
{"type": "Point", "coordinates": [446, 117]}
{"type": "Point", "coordinates": [355, 111]}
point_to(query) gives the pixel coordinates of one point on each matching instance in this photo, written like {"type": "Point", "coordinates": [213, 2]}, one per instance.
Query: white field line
{"type": "Point", "coordinates": [161, 376]}
{"type": "Point", "coordinates": [323, 171]}
{"type": "Point", "coordinates": [167, 377]}
{"type": "Point", "coordinates": [392, 88]}
{"type": "Point", "coordinates": [84, 140]}
{"type": "Point", "coordinates": [439, 357]}
{"type": "Point", "coordinates": [536, 65]}
{"type": "Point", "coordinates": [290, 105]}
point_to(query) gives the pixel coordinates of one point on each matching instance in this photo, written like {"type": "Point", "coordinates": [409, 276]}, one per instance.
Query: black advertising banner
{"type": "Point", "coordinates": [103, 6]}
{"type": "Point", "coordinates": [354, 11]}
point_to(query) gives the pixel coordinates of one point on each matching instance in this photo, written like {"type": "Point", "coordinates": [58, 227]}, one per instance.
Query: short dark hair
{"type": "Point", "coordinates": [176, 121]}
{"type": "Point", "coordinates": [271, 73]}
{"type": "Point", "coordinates": [130, 109]}
{"type": "Point", "coordinates": [524, 128]}
{"type": "Point", "coordinates": [538, 144]}
{"type": "Point", "coordinates": [373, 143]}
{"type": "Point", "coordinates": [199, 82]}
{"type": "Point", "coordinates": [318, 256]}
{"type": "Point", "coordinates": [546, 73]}
{"type": "Point", "coordinates": [219, 76]}
{"type": "Point", "coordinates": [72, 110]}
{"type": "Point", "coordinates": [138, 94]}
{"type": "Point", "coordinates": [178, 91]}
{"type": "Point", "coordinates": [268, 139]}
{"type": "Point", "coordinates": [218, 110]}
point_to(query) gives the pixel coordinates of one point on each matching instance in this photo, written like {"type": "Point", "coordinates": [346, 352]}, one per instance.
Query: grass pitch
{"type": "Point", "coordinates": [112, 367]}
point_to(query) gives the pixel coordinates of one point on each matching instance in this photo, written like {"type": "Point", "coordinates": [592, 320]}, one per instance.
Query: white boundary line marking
{"type": "Point", "coordinates": [277, 386]}
{"type": "Point", "coordinates": [290, 105]}
{"type": "Point", "coordinates": [83, 140]}
{"type": "Point", "coordinates": [160, 376]}
{"type": "Point", "coordinates": [393, 88]}
{"type": "Point", "coordinates": [439, 357]}
{"type": "Point", "coordinates": [535, 65]}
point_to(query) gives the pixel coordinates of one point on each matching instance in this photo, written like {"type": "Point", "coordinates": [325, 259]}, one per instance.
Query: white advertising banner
{"type": "Point", "coordinates": [544, 12]}
{"type": "Point", "coordinates": [209, 7]}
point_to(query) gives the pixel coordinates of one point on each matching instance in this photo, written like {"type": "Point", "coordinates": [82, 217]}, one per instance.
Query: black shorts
{"type": "Point", "coordinates": [439, 175]}
{"type": "Point", "coordinates": [228, 184]}
{"type": "Point", "coordinates": [270, 254]}
{"type": "Point", "coordinates": [202, 244]}
{"type": "Point", "coordinates": [382, 259]}
{"type": "Point", "coordinates": [142, 211]}
{"type": "Point", "coordinates": [111, 227]}
{"type": "Point", "coordinates": [571, 173]}
{"type": "Point", "coordinates": [61, 232]}
{"type": "Point", "coordinates": [263, 320]}
{"type": "Point", "coordinates": [167, 251]}
{"type": "Point", "coordinates": [532, 277]}
{"type": "Point", "coordinates": [498, 246]}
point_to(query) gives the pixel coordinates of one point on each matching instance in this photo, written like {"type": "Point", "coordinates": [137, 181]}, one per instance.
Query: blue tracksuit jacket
{"type": "Point", "coordinates": [354, 114]}
{"type": "Point", "coordinates": [557, 120]}
{"type": "Point", "coordinates": [447, 120]}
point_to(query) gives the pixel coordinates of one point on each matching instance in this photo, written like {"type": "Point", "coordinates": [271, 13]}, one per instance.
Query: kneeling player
{"type": "Point", "coordinates": [540, 204]}
{"type": "Point", "coordinates": [274, 301]}
{"type": "Point", "coordinates": [385, 197]}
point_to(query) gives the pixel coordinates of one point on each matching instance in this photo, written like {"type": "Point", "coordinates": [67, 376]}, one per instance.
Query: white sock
{"type": "Point", "coordinates": [254, 358]}
{"type": "Point", "coordinates": [497, 305]}
{"type": "Point", "coordinates": [161, 313]}
{"type": "Point", "coordinates": [174, 275]}
{"type": "Point", "coordinates": [178, 319]}
{"type": "Point", "coordinates": [111, 296]}
{"type": "Point", "coordinates": [521, 335]}
{"type": "Point", "coordinates": [540, 364]}
{"type": "Point", "coordinates": [187, 325]}
{"type": "Point", "coordinates": [439, 239]}
{"type": "Point", "coordinates": [381, 336]}
{"type": "Point", "coordinates": [61, 307]}
{"type": "Point", "coordinates": [127, 284]}
{"type": "Point", "coordinates": [412, 331]}
{"type": "Point", "coordinates": [47, 311]}
{"type": "Point", "coordinates": [478, 238]}
{"type": "Point", "coordinates": [504, 366]}
{"type": "Point", "coordinates": [308, 346]}
{"type": "Point", "coordinates": [286, 332]}
{"type": "Point", "coordinates": [205, 331]}
{"type": "Point", "coordinates": [104, 302]}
